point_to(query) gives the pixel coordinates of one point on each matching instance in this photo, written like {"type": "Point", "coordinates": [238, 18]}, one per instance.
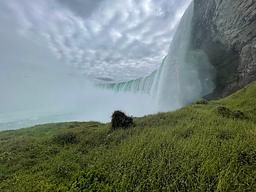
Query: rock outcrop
{"type": "Point", "coordinates": [226, 31]}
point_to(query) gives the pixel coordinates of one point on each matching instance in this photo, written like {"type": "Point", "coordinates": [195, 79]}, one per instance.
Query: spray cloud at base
{"type": "Point", "coordinates": [184, 76]}
{"type": "Point", "coordinates": [40, 88]}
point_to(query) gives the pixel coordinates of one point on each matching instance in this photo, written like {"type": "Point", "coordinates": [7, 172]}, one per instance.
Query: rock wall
{"type": "Point", "coordinates": [226, 31]}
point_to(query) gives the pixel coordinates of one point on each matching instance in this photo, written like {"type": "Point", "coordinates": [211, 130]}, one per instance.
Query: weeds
{"type": "Point", "coordinates": [207, 148]}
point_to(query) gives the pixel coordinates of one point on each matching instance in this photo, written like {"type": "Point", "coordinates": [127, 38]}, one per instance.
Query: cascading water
{"type": "Point", "coordinates": [184, 75]}
{"type": "Point", "coordinates": [42, 89]}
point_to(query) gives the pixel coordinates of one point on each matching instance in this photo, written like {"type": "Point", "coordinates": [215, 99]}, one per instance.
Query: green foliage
{"type": "Point", "coordinates": [66, 138]}
{"type": "Point", "coordinates": [93, 179]}
{"type": "Point", "coordinates": [198, 148]}
{"type": "Point", "coordinates": [202, 102]}
{"type": "Point", "coordinates": [226, 112]}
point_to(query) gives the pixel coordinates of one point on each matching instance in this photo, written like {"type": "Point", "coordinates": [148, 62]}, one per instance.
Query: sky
{"type": "Point", "coordinates": [50, 50]}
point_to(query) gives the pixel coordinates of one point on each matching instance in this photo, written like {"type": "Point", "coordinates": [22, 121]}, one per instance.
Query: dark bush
{"type": "Point", "coordinates": [120, 120]}
{"type": "Point", "coordinates": [66, 138]}
{"type": "Point", "coordinates": [186, 133]}
{"type": "Point", "coordinates": [202, 102]}
{"type": "Point", "coordinates": [247, 157]}
{"type": "Point", "coordinates": [224, 111]}
{"type": "Point", "coordinates": [73, 125]}
{"type": "Point", "coordinates": [63, 170]}
{"type": "Point", "coordinates": [224, 135]}
{"type": "Point", "coordinates": [238, 115]}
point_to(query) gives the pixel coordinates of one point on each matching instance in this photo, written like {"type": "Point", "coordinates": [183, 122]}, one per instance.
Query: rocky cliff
{"type": "Point", "coordinates": [226, 31]}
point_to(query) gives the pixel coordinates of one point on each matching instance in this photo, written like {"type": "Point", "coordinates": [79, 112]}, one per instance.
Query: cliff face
{"type": "Point", "coordinates": [226, 31]}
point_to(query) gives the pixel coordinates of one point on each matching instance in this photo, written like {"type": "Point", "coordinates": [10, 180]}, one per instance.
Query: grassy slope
{"type": "Point", "coordinates": [192, 149]}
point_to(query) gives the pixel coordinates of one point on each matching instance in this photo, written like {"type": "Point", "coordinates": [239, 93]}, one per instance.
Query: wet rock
{"type": "Point", "coordinates": [225, 32]}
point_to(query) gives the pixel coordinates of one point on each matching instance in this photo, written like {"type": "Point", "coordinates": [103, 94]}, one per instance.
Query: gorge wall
{"type": "Point", "coordinates": [226, 31]}
{"type": "Point", "coordinates": [212, 54]}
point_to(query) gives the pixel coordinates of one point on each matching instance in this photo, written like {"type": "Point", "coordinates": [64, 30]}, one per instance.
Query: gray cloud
{"type": "Point", "coordinates": [83, 8]}
{"type": "Point", "coordinates": [45, 44]}
{"type": "Point", "coordinates": [118, 40]}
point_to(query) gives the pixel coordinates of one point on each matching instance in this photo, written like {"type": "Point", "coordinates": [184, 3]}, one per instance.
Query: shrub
{"type": "Point", "coordinates": [224, 111]}
{"type": "Point", "coordinates": [238, 115]}
{"type": "Point", "coordinates": [120, 120]}
{"type": "Point", "coordinates": [66, 138]}
{"type": "Point", "coordinates": [186, 134]}
{"type": "Point", "coordinates": [224, 135]}
{"type": "Point", "coordinates": [63, 170]}
{"type": "Point", "coordinates": [247, 157]}
{"type": "Point", "coordinates": [202, 102]}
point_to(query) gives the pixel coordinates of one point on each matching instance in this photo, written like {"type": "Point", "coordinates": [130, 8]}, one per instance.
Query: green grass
{"type": "Point", "coordinates": [192, 149]}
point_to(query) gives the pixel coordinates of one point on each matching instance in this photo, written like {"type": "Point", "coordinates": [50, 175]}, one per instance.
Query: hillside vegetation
{"type": "Point", "coordinates": [202, 147]}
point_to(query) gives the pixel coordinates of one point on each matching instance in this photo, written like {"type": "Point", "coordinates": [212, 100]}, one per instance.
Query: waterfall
{"type": "Point", "coordinates": [146, 84]}
{"type": "Point", "coordinates": [184, 75]}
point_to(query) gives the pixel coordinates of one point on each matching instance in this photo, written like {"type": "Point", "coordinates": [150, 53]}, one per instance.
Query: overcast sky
{"type": "Point", "coordinates": [105, 39]}
{"type": "Point", "coordinates": [50, 49]}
